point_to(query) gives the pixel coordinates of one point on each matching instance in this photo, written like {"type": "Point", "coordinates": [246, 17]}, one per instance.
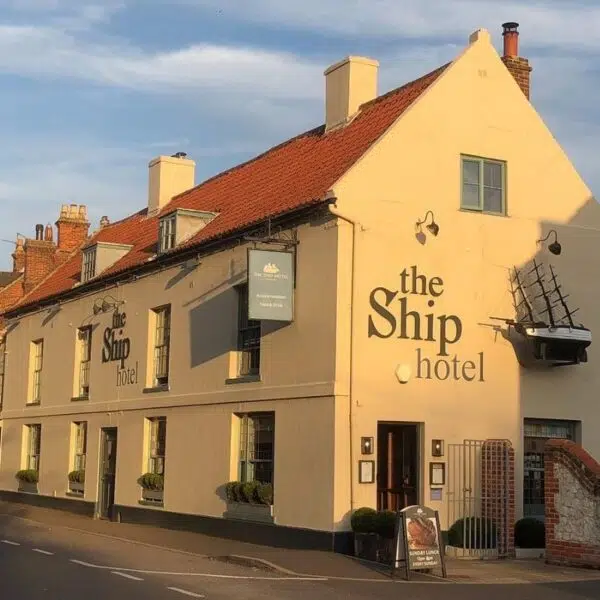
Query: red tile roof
{"type": "Point", "coordinates": [294, 174]}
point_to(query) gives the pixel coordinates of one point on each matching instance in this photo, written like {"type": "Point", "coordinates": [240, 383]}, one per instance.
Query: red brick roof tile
{"type": "Point", "coordinates": [294, 174]}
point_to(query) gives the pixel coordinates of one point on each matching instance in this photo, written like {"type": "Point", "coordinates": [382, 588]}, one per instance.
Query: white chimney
{"type": "Point", "coordinates": [348, 84]}
{"type": "Point", "coordinates": [167, 177]}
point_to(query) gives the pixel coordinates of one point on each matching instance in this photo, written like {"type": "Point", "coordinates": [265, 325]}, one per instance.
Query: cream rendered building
{"type": "Point", "coordinates": [407, 216]}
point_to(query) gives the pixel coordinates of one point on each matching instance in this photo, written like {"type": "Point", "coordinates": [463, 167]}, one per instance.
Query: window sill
{"type": "Point", "coordinates": [244, 379]}
{"type": "Point", "coordinates": [80, 398]}
{"type": "Point", "coordinates": [476, 211]}
{"type": "Point", "coordinates": [33, 403]}
{"type": "Point", "coordinates": [74, 495]}
{"type": "Point", "coordinates": [151, 503]}
{"type": "Point", "coordinates": [157, 389]}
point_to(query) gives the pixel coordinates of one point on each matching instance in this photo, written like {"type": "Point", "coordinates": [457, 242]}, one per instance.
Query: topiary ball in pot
{"type": "Point", "coordinates": [363, 520]}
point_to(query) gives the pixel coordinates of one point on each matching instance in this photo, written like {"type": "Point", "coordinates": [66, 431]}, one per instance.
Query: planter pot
{"type": "Point", "coordinates": [373, 547]}
{"type": "Point", "coordinates": [28, 488]}
{"type": "Point", "coordinates": [153, 495]}
{"type": "Point", "coordinates": [260, 513]}
{"type": "Point", "coordinates": [76, 488]}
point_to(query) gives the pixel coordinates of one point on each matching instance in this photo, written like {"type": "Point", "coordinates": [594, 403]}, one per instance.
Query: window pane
{"type": "Point", "coordinates": [471, 171]}
{"type": "Point", "coordinates": [492, 174]}
{"type": "Point", "coordinates": [470, 196]}
{"type": "Point", "coordinates": [492, 200]}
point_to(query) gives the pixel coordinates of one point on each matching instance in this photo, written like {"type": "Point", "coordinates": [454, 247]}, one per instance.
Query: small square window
{"type": "Point", "coordinates": [483, 185]}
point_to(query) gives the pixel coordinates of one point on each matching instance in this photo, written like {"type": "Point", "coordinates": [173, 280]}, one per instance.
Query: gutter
{"type": "Point", "coordinates": [333, 209]}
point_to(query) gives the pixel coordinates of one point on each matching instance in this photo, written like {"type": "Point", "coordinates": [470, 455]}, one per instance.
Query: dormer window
{"type": "Point", "coordinates": [89, 264]}
{"type": "Point", "coordinates": [180, 225]}
{"type": "Point", "coordinates": [166, 235]}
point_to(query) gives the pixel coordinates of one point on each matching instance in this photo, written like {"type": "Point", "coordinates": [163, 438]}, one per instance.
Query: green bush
{"type": "Point", "coordinates": [530, 533]}
{"type": "Point", "coordinates": [385, 523]}
{"type": "Point", "coordinates": [28, 475]}
{"type": "Point", "coordinates": [152, 481]}
{"type": "Point", "coordinates": [249, 492]}
{"type": "Point", "coordinates": [265, 494]}
{"type": "Point", "coordinates": [475, 533]}
{"type": "Point", "coordinates": [231, 491]}
{"type": "Point", "coordinates": [77, 476]}
{"type": "Point", "coordinates": [364, 520]}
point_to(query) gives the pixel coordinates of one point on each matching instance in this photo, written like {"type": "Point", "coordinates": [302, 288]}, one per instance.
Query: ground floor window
{"type": "Point", "coordinates": [257, 447]}
{"type": "Point", "coordinates": [536, 433]}
{"type": "Point", "coordinates": [34, 441]}
{"type": "Point", "coordinates": [157, 446]}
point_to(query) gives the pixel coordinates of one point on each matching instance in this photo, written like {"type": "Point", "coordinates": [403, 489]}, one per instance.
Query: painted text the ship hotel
{"type": "Point", "coordinates": [337, 319]}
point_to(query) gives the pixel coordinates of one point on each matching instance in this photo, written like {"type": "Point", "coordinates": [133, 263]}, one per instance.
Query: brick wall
{"type": "Point", "coordinates": [572, 496]}
{"type": "Point", "coordinates": [39, 262]}
{"type": "Point", "coordinates": [520, 70]}
{"type": "Point", "coordinates": [72, 227]}
{"type": "Point", "coordinates": [498, 491]}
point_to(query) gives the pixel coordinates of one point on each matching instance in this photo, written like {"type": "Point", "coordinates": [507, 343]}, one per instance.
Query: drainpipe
{"type": "Point", "coordinates": [334, 211]}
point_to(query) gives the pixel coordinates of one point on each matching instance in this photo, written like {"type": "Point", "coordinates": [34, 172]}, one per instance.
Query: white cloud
{"type": "Point", "coordinates": [545, 23]}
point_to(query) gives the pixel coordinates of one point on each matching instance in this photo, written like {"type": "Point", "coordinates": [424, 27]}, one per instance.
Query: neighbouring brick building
{"type": "Point", "coordinates": [372, 313]}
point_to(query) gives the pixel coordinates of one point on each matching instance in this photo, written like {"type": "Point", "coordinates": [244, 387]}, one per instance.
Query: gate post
{"type": "Point", "coordinates": [498, 491]}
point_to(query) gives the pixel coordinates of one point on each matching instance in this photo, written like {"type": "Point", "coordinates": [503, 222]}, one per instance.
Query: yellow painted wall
{"type": "Point", "coordinates": [474, 108]}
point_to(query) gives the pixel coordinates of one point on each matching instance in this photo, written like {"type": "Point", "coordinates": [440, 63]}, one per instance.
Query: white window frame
{"type": "Point", "coordinates": [79, 445]}
{"type": "Point", "coordinates": [84, 339]}
{"type": "Point", "coordinates": [37, 365]}
{"type": "Point", "coordinates": [248, 445]}
{"type": "Point", "coordinates": [167, 233]}
{"type": "Point", "coordinates": [34, 447]}
{"type": "Point", "coordinates": [88, 267]}
{"type": "Point", "coordinates": [249, 337]}
{"type": "Point", "coordinates": [481, 185]}
{"type": "Point", "coordinates": [157, 447]}
{"type": "Point", "coordinates": [162, 345]}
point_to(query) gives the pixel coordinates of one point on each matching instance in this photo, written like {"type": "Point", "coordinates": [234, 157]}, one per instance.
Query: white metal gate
{"type": "Point", "coordinates": [480, 488]}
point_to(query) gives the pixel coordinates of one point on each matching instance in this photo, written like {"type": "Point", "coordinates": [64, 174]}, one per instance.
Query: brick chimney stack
{"type": "Point", "coordinates": [18, 256]}
{"type": "Point", "coordinates": [39, 258]}
{"type": "Point", "coordinates": [518, 66]}
{"type": "Point", "coordinates": [72, 226]}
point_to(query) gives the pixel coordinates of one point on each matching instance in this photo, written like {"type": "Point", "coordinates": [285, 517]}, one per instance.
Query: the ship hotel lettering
{"type": "Point", "coordinates": [116, 348]}
{"type": "Point", "coordinates": [393, 315]}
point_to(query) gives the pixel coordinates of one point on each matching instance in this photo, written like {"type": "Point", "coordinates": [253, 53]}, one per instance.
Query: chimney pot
{"type": "Point", "coordinates": [39, 232]}
{"type": "Point", "coordinates": [348, 84]}
{"type": "Point", "coordinates": [104, 222]}
{"type": "Point", "coordinates": [48, 233]}
{"type": "Point", "coordinates": [511, 38]}
{"type": "Point", "coordinates": [72, 226]}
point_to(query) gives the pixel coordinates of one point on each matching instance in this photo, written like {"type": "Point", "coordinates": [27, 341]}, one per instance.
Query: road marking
{"type": "Point", "coordinates": [127, 576]}
{"type": "Point", "coordinates": [40, 551]}
{"type": "Point", "coordinates": [185, 592]}
{"type": "Point", "coordinates": [84, 564]}
{"type": "Point", "coordinates": [10, 543]}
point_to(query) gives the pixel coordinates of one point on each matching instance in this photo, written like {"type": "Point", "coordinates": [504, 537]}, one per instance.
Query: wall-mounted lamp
{"type": "Point", "coordinates": [102, 305]}
{"type": "Point", "coordinates": [433, 227]}
{"type": "Point", "coordinates": [555, 246]}
{"type": "Point", "coordinates": [437, 448]}
{"type": "Point", "coordinates": [366, 445]}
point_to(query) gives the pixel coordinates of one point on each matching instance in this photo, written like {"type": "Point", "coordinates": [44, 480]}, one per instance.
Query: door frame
{"type": "Point", "coordinates": [103, 436]}
{"type": "Point", "coordinates": [419, 458]}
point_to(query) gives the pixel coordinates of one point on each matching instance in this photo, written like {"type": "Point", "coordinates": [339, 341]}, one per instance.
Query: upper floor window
{"type": "Point", "coordinates": [162, 340]}
{"type": "Point", "coordinates": [483, 185]}
{"type": "Point", "coordinates": [33, 447]}
{"type": "Point", "coordinates": [36, 365]}
{"type": "Point", "coordinates": [88, 269]}
{"type": "Point", "coordinates": [84, 351]}
{"type": "Point", "coordinates": [248, 337]}
{"type": "Point", "coordinates": [166, 233]}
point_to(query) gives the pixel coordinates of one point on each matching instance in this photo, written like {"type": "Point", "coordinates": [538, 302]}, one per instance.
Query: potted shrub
{"type": "Point", "coordinates": [363, 523]}
{"type": "Point", "coordinates": [28, 480]}
{"type": "Point", "coordinates": [530, 537]}
{"type": "Point", "coordinates": [77, 481]}
{"type": "Point", "coordinates": [249, 501]}
{"type": "Point", "coordinates": [152, 485]}
{"type": "Point", "coordinates": [474, 534]}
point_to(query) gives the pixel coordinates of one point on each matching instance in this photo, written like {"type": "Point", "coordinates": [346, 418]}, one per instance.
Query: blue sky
{"type": "Point", "coordinates": [93, 89]}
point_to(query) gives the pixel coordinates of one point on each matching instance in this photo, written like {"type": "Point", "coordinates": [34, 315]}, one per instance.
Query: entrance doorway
{"type": "Point", "coordinates": [108, 470]}
{"type": "Point", "coordinates": [398, 465]}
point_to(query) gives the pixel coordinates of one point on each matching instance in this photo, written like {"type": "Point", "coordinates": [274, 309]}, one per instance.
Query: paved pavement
{"type": "Point", "coordinates": [50, 561]}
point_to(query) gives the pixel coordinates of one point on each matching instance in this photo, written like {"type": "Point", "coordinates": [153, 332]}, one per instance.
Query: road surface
{"type": "Point", "coordinates": [38, 562]}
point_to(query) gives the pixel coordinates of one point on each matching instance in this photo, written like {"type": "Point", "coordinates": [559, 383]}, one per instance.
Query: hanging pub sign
{"type": "Point", "coordinates": [270, 285]}
{"type": "Point", "coordinates": [418, 541]}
